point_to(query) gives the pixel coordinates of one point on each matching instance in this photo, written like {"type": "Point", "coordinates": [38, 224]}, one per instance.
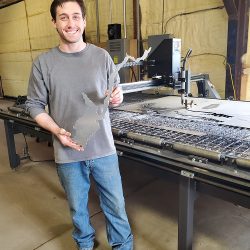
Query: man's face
{"type": "Point", "coordinates": [69, 22]}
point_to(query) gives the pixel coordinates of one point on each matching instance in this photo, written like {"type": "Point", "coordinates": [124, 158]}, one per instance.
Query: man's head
{"type": "Point", "coordinates": [57, 3]}
{"type": "Point", "coordinates": [69, 20]}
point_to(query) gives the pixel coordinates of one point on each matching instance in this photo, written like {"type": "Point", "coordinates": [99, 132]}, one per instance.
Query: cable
{"type": "Point", "coordinates": [28, 29]}
{"type": "Point", "coordinates": [26, 144]}
{"type": "Point", "coordinates": [226, 64]}
{"type": "Point", "coordinates": [212, 54]}
{"type": "Point", "coordinates": [192, 12]}
{"type": "Point", "coordinates": [40, 160]}
{"type": "Point", "coordinates": [232, 81]}
{"type": "Point", "coordinates": [162, 18]}
{"type": "Point", "coordinates": [110, 10]}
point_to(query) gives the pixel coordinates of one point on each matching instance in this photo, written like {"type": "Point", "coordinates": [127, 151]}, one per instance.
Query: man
{"type": "Point", "coordinates": [59, 78]}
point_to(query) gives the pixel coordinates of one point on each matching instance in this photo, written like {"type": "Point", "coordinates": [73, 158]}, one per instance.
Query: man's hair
{"type": "Point", "coordinates": [57, 3]}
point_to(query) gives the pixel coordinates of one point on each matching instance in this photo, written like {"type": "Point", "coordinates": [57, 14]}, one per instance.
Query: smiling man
{"type": "Point", "coordinates": [59, 79]}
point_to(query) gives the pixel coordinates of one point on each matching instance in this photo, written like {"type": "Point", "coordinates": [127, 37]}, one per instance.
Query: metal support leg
{"type": "Point", "coordinates": [187, 194]}
{"type": "Point", "coordinates": [13, 156]}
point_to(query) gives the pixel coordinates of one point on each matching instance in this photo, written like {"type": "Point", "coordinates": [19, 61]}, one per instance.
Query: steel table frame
{"type": "Point", "coordinates": [15, 125]}
{"type": "Point", "coordinates": [191, 182]}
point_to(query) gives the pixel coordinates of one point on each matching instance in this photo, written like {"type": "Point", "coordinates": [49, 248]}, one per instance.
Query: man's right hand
{"type": "Point", "coordinates": [46, 122]}
{"type": "Point", "coordinates": [66, 140]}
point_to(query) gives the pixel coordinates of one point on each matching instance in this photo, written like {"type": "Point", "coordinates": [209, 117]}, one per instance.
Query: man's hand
{"type": "Point", "coordinates": [66, 140]}
{"type": "Point", "coordinates": [116, 97]}
{"type": "Point", "coordinates": [46, 122]}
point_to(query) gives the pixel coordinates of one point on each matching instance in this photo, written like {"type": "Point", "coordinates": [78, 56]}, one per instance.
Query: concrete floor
{"type": "Point", "coordinates": [34, 212]}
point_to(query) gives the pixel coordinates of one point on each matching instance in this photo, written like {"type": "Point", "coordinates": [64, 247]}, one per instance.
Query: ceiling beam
{"type": "Point", "coordinates": [231, 7]}
{"type": "Point", "coordinates": [6, 3]}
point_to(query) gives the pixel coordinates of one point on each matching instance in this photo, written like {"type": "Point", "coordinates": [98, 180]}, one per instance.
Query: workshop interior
{"type": "Point", "coordinates": [182, 133]}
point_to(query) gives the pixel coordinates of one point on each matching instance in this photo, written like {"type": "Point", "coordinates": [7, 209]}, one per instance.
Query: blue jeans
{"type": "Point", "coordinates": [75, 179]}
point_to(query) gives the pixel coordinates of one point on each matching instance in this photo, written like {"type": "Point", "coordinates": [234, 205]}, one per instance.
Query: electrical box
{"type": "Point", "coordinates": [155, 40]}
{"type": "Point", "coordinates": [165, 57]}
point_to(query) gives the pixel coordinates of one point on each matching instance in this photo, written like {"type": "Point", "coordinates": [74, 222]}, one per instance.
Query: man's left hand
{"type": "Point", "coordinates": [116, 97]}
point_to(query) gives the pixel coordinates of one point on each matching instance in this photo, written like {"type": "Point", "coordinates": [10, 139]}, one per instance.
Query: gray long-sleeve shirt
{"type": "Point", "coordinates": [59, 80]}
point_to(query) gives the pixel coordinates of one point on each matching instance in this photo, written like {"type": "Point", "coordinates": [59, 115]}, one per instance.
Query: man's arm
{"type": "Point", "coordinates": [35, 106]}
{"type": "Point", "coordinates": [46, 122]}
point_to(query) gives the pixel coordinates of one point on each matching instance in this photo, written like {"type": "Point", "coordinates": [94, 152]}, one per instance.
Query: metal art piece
{"type": "Point", "coordinates": [88, 124]}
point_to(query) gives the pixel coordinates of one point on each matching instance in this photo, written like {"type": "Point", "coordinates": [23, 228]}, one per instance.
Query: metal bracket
{"type": "Point", "coordinates": [187, 174]}
{"type": "Point", "coordinates": [119, 153]}
{"type": "Point", "coordinates": [198, 159]}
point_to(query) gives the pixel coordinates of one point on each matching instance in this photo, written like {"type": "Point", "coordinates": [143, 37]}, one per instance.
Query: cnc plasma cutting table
{"type": "Point", "coordinates": [203, 147]}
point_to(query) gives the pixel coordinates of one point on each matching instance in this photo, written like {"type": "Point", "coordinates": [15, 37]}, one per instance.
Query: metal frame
{"type": "Point", "coordinates": [205, 87]}
{"type": "Point", "coordinates": [191, 182]}
{"type": "Point", "coordinates": [187, 194]}
{"type": "Point", "coordinates": [15, 125]}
